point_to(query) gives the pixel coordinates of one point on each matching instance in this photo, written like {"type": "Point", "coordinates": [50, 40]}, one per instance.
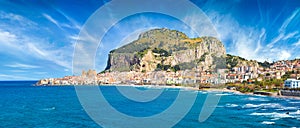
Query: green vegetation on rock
{"type": "Point", "coordinates": [165, 49]}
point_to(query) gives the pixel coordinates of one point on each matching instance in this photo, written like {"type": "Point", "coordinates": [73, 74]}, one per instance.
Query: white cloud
{"type": "Point", "coordinates": [22, 66]}
{"type": "Point", "coordinates": [15, 77]}
{"type": "Point", "coordinates": [275, 40]}
{"type": "Point", "coordinates": [20, 20]}
{"type": "Point", "coordinates": [284, 55]}
{"type": "Point", "coordinates": [41, 73]}
{"type": "Point", "coordinates": [288, 20]}
{"type": "Point", "coordinates": [59, 56]}
{"type": "Point", "coordinates": [199, 23]}
{"type": "Point", "coordinates": [51, 20]}
{"type": "Point", "coordinates": [282, 37]}
{"type": "Point", "coordinates": [297, 43]}
{"type": "Point", "coordinates": [290, 35]}
{"type": "Point", "coordinates": [246, 41]}
{"type": "Point", "coordinates": [250, 41]}
{"type": "Point", "coordinates": [7, 37]}
{"type": "Point", "coordinates": [38, 48]}
{"type": "Point", "coordinates": [74, 23]}
{"type": "Point", "coordinates": [262, 37]}
{"type": "Point", "coordinates": [18, 71]}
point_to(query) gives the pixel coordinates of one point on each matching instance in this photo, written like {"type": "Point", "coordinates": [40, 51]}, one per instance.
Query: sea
{"type": "Point", "coordinates": [24, 105]}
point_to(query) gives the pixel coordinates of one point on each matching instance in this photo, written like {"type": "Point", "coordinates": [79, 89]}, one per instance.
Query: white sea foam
{"type": "Point", "coordinates": [275, 119]}
{"type": "Point", "coordinates": [250, 106]}
{"type": "Point", "coordinates": [287, 108]}
{"type": "Point", "coordinates": [223, 94]}
{"type": "Point", "coordinates": [295, 113]}
{"type": "Point", "coordinates": [220, 106]}
{"type": "Point", "coordinates": [280, 109]}
{"type": "Point", "coordinates": [48, 109]}
{"type": "Point", "coordinates": [267, 105]}
{"type": "Point", "coordinates": [268, 122]}
{"type": "Point", "coordinates": [290, 108]}
{"type": "Point", "coordinates": [256, 99]}
{"type": "Point", "coordinates": [295, 102]}
{"type": "Point", "coordinates": [231, 105]}
{"type": "Point", "coordinates": [251, 98]}
{"type": "Point", "coordinates": [273, 115]}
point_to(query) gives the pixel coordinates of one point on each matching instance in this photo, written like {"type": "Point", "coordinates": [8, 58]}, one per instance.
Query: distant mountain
{"type": "Point", "coordinates": [170, 50]}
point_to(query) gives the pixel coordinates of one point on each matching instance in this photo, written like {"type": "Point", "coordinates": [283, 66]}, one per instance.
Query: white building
{"type": "Point", "coordinates": [292, 83]}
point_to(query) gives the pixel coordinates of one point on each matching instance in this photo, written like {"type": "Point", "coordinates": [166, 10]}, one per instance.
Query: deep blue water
{"type": "Point", "coordinates": [24, 105]}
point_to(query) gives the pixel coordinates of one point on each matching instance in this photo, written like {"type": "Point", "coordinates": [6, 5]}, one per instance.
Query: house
{"type": "Point", "coordinates": [292, 83]}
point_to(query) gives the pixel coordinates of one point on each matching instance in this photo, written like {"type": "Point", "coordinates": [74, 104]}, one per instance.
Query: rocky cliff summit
{"type": "Point", "coordinates": [169, 50]}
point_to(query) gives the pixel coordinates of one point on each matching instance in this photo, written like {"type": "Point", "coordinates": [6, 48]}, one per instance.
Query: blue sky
{"type": "Point", "coordinates": [37, 38]}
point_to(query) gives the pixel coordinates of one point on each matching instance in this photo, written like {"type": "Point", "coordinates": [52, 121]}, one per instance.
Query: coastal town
{"type": "Point", "coordinates": [272, 77]}
{"type": "Point", "coordinates": [173, 59]}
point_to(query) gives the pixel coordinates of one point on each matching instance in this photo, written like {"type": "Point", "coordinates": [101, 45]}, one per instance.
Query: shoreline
{"type": "Point", "coordinates": [190, 88]}
{"type": "Point", "coordinates": [251, 94]}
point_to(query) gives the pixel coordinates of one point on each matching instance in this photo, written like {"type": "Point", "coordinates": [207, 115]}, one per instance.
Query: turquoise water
{"type": "Point", "coordinates": [23, 105]}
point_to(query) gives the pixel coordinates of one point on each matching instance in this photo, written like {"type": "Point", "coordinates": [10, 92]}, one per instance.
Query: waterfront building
{"type": "Point", "coordinates": [292, 83]}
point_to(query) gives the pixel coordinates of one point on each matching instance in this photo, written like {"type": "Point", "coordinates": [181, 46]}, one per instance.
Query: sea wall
{"type": "Point", "coordinates": [290, 93]}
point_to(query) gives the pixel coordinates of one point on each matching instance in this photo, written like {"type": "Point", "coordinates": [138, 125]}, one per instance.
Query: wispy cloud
{"type": "Point", "coordinates": [297, 43]}
{"type": "Point", "coordinates": [290, 35]}
{"type": "Point", "coordinates": [199, 23]}
{"type": "Point", "coordinates": [37, 48]}
{"type": "Point", "coordinates": [288, 20]}
{"type": "Point", "coordinates": [22, 66]}
{"type": "Point", "coordinates": [74, 23]}
{"type": "Point", "coordinates": [7, 37]}
{"type": "Point", "coordinates": [249, 41]}
{"type": "Point", "coordinates": [14, 40]}
{"type": "Point", "coordinates": [40, 73]}
{"type": "Point", "coordinates": [18, 71]}
{"type": "Point", "coordinates": [260, 42]}
{"type": "Point", "coordinates": [52, 20]}
{"type": "Point", "coordinates": [282, 37]}
{"type": "Point", "coordinates": [20, 20]}
{"type": "Point", "coordinates": [15, 77]}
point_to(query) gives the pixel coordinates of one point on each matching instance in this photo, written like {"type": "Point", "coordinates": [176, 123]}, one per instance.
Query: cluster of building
{"type": "Point", "coordinates": [135, 78]}
{"type": "Point", "coordinates": [236, 74]}
{"type": "Point", "coordinates": [256, 73]}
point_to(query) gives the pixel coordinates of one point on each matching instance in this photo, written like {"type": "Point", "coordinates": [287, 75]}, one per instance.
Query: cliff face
{"type": "Point", "coordinates": [236, 61]}
{"type": "Point", "coordinates": [164, 49]}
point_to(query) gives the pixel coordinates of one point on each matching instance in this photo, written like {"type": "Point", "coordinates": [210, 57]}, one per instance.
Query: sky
{"type": "Point", "coordinates": [37, 38]}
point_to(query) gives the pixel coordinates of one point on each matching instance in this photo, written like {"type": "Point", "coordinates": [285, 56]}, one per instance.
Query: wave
{"type": "Point", "coordinates": [224, 94]}
{"type": "Point", "coordinates": [48, 109]}
{"type": "Point", "coordinates": [251, 106]}
{"type": "Point", "coordinates": [231, 105]}
{"type": "Point", "coordinates": [273, 115]}
{"type": "Point", "coordinates": [287, 108]}
{"type": "Point", "coordinates": [295, 102]}
{"type": "Point", "coordinates": [295, 113]}
{"type": "Point", "coordinates": [256, 99]}
{"type": "Point", "coordinates": [275, 119]}
{"type": "Point", "coordinates": [267, 122]}
{"type": "Point", "coordinates": [268, 105]}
